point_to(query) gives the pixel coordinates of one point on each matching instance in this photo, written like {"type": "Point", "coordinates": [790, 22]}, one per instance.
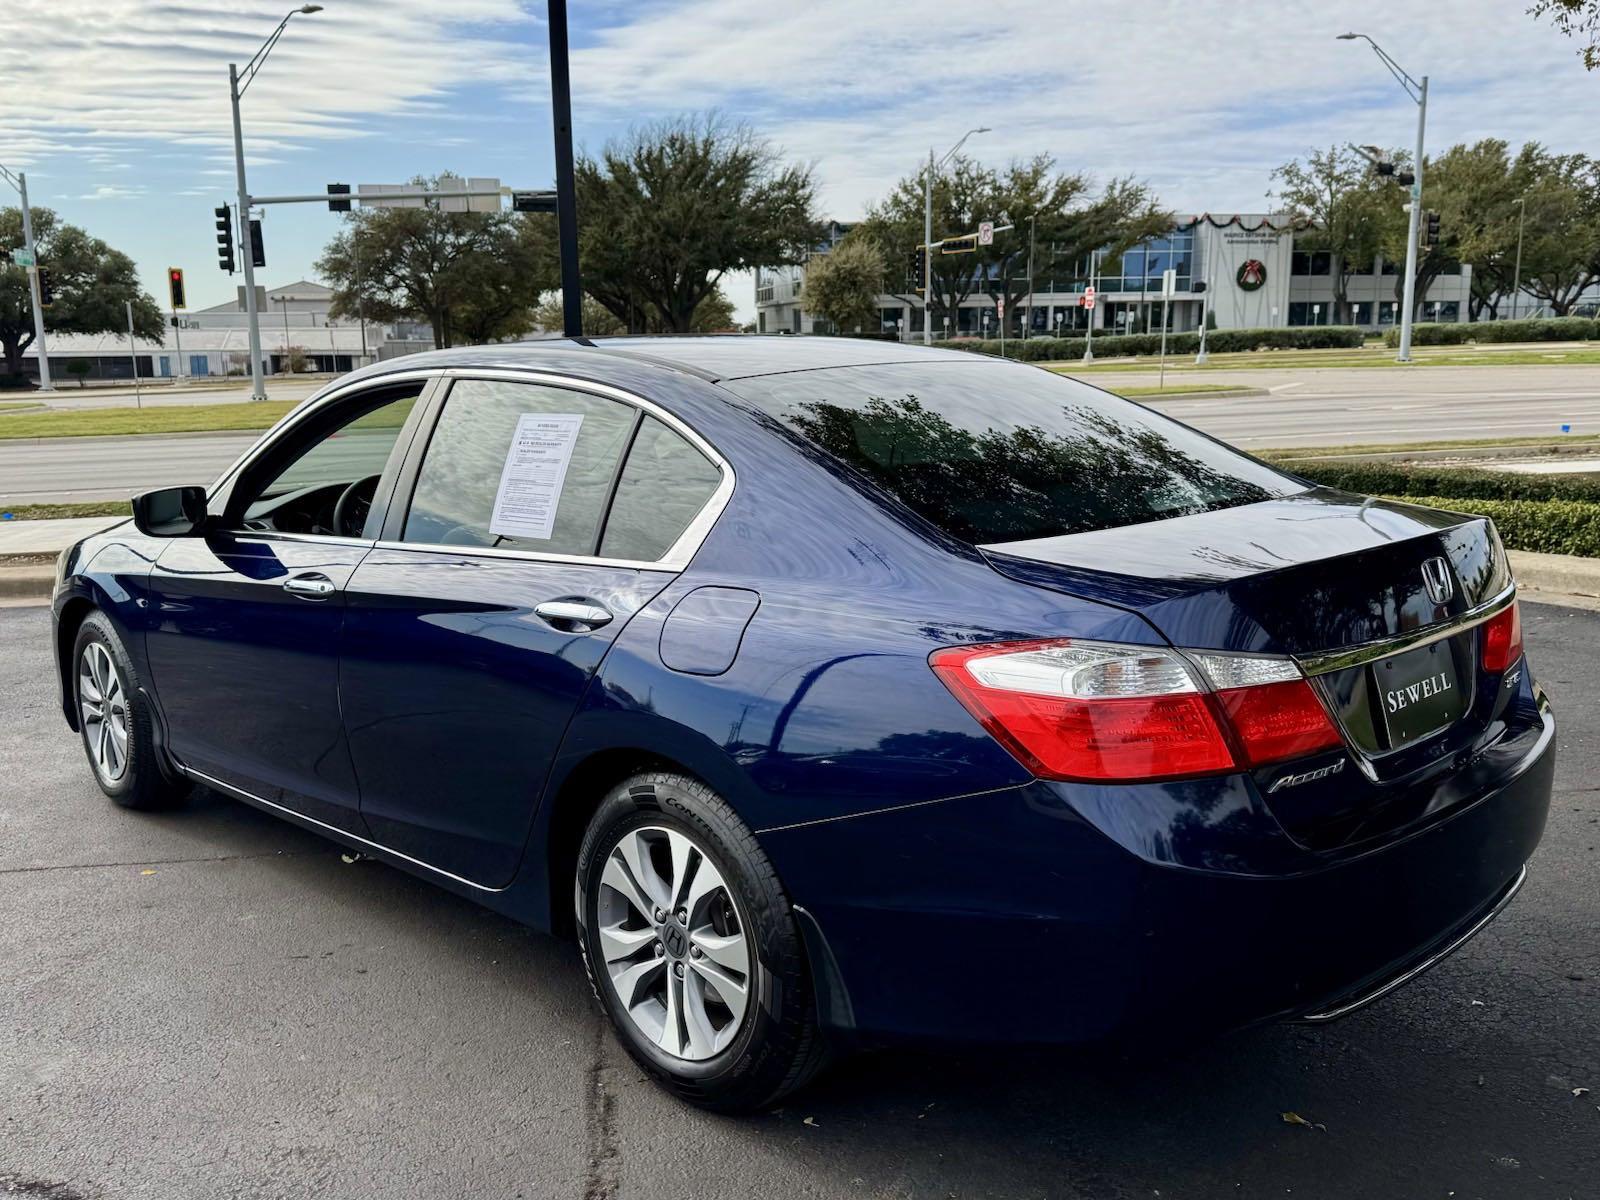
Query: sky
{"type": "Point", "coordinates": [118, 109]}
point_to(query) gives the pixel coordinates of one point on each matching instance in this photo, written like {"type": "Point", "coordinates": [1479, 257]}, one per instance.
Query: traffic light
{"type": "Point", "coordinates": [1383, 168]}
{"type": "Point", "coordinates": [258, 255]}
{"type": "Point", "coordinates": [47, 289]}
{"type": "Point", "coordinates": [917, 270]}
{"type": "Point", "coordinates": [338, 197]}
{"type": "Point", "coordinates": [175, 287]}
{"type": "Point", "coordinates": [1432, 238]}
{"type": "Point", "coordinates": [1198, 286]}
{"type": "Point", "coordinates": [224, 238]}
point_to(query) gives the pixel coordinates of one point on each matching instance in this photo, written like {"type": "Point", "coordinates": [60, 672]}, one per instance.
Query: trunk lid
{"type": "Point", "coordinates": [1328, 578]}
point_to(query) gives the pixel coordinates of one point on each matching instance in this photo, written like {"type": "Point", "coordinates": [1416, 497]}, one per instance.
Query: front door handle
{"type": "Point", "coordinates": [573, 612]}
{"type": "Point", "coordinates": [309, 587]}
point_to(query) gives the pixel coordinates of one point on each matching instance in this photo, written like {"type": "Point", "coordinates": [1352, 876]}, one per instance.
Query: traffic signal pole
{"type": "Point", "coordinates": [1411, 239]}
{"type": "Point", "coordinates": [566, 181]}
{"type": "Point", "coordinates": [927, 253]}
{"type": "Point", "coordinates": [21, 180]}
{"type": "Point", "coordinates": [258, 388]}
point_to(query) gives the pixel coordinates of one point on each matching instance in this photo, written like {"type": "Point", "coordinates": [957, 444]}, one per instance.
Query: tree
{"type": "Point", "coordinates": [715, 315]}
{"type": "Point", "coordinates": [1342, 203]}
{"type": "Point", "coordinates": [471, 276]}
{"type": "Point", "coordinates": [79, 369]}
{"type": "Point", "coordinates": [667, 211]}
{"type": "Point", "coordinates": [1474, 190]}
{"type": "Point", "coordinates": [1561, 247]}
{"type": "Point", "coordinates": [842, 286]}
{"type": "Point", "coordinates": [1578, 19]}
{"type": "Point", "coordinates": [92, 284]}
{"type": "Point", "coordinates": [1068, 224]}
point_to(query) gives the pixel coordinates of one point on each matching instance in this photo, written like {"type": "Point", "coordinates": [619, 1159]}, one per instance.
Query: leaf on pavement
{"type": "Point", "coordinates": [1294, 1118]}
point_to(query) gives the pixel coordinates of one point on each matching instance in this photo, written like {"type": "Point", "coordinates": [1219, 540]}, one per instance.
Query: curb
{"type": "Point", "coordinates": [1556, 573]}
{"type": "Point", "coordinates": [1537, 450]}
{"type": "Point", "coordinates": [78, 438]}
{"type": "Point", "coordinates": [27, 580]}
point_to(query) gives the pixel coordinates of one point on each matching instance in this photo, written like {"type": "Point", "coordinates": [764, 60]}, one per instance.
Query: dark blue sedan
{"type": "Point", "coordinates": [832, 693]}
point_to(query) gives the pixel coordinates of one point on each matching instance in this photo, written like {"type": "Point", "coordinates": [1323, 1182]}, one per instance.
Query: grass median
{"type": "Point", "coordinates": [165, 418]}
{"type": "Point", "coordinates": [1582, 354]}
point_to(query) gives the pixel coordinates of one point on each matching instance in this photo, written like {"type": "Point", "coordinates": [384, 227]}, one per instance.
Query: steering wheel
{"type": "Point", "coordinates": [354, 504]}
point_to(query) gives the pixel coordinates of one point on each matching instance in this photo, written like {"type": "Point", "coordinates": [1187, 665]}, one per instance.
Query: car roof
{"type": "Point", "coordinates": [713, 357]}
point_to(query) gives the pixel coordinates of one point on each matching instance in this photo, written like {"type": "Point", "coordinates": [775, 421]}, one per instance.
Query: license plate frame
{"type": "Point", "coordinates": [1419, 693]}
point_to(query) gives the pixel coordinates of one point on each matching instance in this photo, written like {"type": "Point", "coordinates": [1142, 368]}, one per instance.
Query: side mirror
{"type": "Point", "coordinates": [170, 512]}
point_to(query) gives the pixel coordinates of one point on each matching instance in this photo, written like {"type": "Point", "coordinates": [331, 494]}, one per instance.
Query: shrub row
{"type": "Point", "coordinates": [1394, 479]}
{"type": "Point", "coordinates": [1218, 341]}
{"type": "Point", "coordinates": [1460, 333]}
{"type": "Point", "coordinates": [1545, 526]}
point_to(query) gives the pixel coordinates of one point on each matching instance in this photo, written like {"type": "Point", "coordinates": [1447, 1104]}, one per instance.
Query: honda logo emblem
{"type": "Point", "coordinates": [1436, 575]}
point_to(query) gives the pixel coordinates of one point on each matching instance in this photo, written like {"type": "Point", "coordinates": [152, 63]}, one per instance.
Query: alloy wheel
{"type": "Point", "coordinates": [103, 711]}
{"type": "Point", "coordinates": [675, 946]}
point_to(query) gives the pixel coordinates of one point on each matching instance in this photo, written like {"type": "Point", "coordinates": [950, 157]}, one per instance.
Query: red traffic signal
{"type": "Point", "coordinates": [175, 287]}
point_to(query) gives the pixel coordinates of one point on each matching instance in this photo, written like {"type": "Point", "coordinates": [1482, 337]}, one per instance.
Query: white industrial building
{"type": "Point", "coordinates": [215, 341]}
{"type": "Point", "coordinates": [1252, 273]}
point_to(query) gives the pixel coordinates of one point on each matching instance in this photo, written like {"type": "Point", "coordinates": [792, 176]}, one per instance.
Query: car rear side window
{"type": "Point", "coordinates": [665, 482]}
{"type": "Point", "coordinates": [519, 466]}
{"type": "Point", "coordinates": [1000, 452]}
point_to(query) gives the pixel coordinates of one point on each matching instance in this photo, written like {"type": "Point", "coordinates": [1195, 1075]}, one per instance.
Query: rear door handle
{"type": "Point", "coordinates": [573, 612]}
{"type": "Point", "coordinates": [309, 587]}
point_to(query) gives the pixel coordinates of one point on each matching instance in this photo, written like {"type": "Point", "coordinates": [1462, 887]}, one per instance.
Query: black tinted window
{"type": "Point", "coordinates": [996, 452]}
{"type": "Point", "coordinates": [665, 483]}
{"type": "Point", "coordinates": [518, 465]}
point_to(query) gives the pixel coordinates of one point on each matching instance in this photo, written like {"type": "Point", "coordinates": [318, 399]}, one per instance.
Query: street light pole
{"type": "Point", "coordinates": [1516, 278]}
{"type": "Point", "coordinates": [20, 182]}
{"type": "Point", "coordinates": [1418, 91]}
{"type": "Point", "coordinates": [1027, 330]}
{"type": "Point", "coordinates": [245, 243]}
{"type": "Point", "coordinates": [927, 232]}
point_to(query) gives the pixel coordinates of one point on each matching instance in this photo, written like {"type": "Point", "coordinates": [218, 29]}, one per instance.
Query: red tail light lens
{"type": "Point", "coordinates": [1502, 640]}
{"type": "Point", "coordinates": [1274, 721]}
{"type": "Point", "coordinates": [1089, 711]}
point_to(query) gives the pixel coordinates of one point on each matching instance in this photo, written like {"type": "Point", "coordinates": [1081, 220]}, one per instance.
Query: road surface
{"type": "Point", "coordinates": [209, 1003]}
{"type": "Point", "coordinates": [1302, 408]}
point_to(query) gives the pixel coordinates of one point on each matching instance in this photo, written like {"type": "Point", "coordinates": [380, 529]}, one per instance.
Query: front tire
{"type": "Point", "coordinates": [692, 948]}
{"type": "Point", "coordinates": [114, 720]}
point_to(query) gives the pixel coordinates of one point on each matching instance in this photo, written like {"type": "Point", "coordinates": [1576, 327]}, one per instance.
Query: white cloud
{"type": "Point", "coordinates": [109, 71]}
{"type": "Point", "coordinates": [109, 191]}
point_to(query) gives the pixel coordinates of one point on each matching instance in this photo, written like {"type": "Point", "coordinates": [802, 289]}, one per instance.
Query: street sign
{"type": "Point", "coordinates": [999, 308]}
{"type": "Point", "coordinates": [967, 243]}
{"type": "Point", "coordinates": [985, 233]}
{"type": "Point", "coordinates": [22, 258]}
{"type": "Point", "coordinates": [261, 299]}
{"type": "Point", "coordinates": [1169, 283]}
{"type": "Point", "coordinates": [1087, 299]}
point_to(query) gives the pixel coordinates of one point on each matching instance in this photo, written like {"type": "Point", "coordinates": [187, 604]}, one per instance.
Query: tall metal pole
{"type": "Point", "coordinates": [133, 356]}
{"type": "Point", "coordinates": [245, 244]}
{"type": "Point", "coordinates": [927, 253]}
{"type": "Point", "coordinates": [33, 286]}
{"type": "Point", "coordinates": [1516, 279]}
{"type": "Point", "coordinates": [177, 344]}
{"type": "Point", "coordinates": [566, 180]}
{"type": "Point", "coordinates": [361, 299]}
{"type": "Point", "coordinates": [1411, 235]}
{"type": "Point", "coordinates": [1027, 330]}
{"type": "Point", "coordinates": [1088, 332]}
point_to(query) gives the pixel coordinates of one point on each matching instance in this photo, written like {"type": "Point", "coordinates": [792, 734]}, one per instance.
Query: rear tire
{"type": "Point", "coordinates": [678, 907]}
{"type": "Point", "coordinates": [114, 720]}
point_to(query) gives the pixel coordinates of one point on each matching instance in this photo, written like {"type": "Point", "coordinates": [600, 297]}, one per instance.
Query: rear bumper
{"type": "Point", "coordinates": [1059, 914]}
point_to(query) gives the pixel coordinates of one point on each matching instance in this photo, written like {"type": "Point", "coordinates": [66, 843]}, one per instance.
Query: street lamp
{"type": "Point", "coordinates": [1419, 96]}
{"type": "Point", "coordinates": [19, 180]}
{"type": "Point", "coordinates": [238, 82]}
{"type": "Point", "coordinates": [927, 230]}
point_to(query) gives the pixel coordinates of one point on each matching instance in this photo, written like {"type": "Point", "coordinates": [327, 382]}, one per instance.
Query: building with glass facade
{"type": "Point", "coordinates": [1243, 270]}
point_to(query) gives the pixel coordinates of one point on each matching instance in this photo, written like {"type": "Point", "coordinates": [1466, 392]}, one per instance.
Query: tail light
{"type": "Point", "coordinates": [1502, 639]}
{"type": "Point", "coordinates": [1092, 711]}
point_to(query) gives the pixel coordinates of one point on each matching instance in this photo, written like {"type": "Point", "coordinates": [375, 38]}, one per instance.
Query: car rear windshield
{"type": "Point", "coordinates": [1000, 452]}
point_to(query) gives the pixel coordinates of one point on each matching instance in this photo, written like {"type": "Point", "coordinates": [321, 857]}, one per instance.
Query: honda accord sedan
{"type": "Point", "coordinates": [831, 693]}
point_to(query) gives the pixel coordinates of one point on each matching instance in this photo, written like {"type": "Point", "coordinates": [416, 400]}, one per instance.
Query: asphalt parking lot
{"type": "Point", "coordinates": [210, 1003]}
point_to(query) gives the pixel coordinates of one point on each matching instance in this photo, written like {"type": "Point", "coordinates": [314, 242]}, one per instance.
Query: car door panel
{"type": "Point", "coordinates": [457, 693]}
{"type": "Point", "coordinates": [247, 668]}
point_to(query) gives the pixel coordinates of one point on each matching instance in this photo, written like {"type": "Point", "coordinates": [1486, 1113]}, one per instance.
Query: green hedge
{"type": "Point", "coordinates": [1459, 333]}
{"type": "Point", "coordinates": [1394, 479]}
{"type": "Point", "coordinates": [1218, 341]}
{"type": "Point", "coordinates": [1545, 526]}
